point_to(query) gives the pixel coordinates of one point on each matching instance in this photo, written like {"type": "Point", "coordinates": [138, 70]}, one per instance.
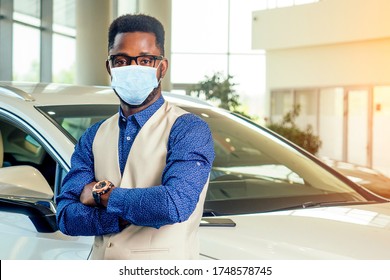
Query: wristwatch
{"type": "Point", "coordinates": [99, 189]}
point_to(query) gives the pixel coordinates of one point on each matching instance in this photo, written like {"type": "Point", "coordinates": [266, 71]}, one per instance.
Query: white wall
{"type": "Point", "coordinates": [324, 22]}
{"type": "Point", "coordinates": [363, 62]}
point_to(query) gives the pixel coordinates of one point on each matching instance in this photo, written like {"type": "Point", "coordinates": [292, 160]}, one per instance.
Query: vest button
{"type": "Point", "coordinates": [128, 138]}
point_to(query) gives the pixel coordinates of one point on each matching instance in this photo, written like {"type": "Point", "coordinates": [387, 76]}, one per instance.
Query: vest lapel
{"type": "Point", "coordinates": [105, 151]}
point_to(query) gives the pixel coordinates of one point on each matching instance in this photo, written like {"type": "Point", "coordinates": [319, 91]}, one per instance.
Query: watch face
{"type": "Point", "coordinates": [101, 184]}
{"type": "Point", "coordinates": [102, 187]}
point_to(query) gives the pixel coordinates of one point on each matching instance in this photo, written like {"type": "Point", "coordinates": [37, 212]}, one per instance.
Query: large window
{"type": "Point", "coordinates": [64, 43]}
{"type": "Point", "coordinates": [215, 37]}
{"type": "Point", "coordinates": [26, 40]}
{"type": "Point", "coordinates": [25, 53]}
{"type": "Point", "coordinates": [210, 37]}
{"type": "Point", "coordinates": [38, 36]}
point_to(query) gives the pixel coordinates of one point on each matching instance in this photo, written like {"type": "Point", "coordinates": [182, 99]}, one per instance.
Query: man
{"type": "Point", "coordinates": [138, 179]}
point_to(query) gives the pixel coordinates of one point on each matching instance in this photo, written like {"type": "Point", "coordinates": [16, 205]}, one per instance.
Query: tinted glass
{"type": "Point", "coordinates": [75, 119]}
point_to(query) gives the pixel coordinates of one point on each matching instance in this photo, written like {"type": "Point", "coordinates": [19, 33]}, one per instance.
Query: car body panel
{"type": "Point", "coordinates": [23, 242]}
{"type": "Point", "coordinates": [318, 233]}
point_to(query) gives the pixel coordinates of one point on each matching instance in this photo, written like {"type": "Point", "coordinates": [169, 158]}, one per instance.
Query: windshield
{"type": "Point", "coordinates": [253, 171]}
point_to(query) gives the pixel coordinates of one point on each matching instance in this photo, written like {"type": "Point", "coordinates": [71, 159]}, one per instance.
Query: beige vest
{"type": "Point", "coordinates": [143, 169]}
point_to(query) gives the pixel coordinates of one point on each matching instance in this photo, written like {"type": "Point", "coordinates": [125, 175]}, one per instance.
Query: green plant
{"type": "Point", "coordinates": [288, 129]}
{"type": "Point", "coordinates": [220, 91]}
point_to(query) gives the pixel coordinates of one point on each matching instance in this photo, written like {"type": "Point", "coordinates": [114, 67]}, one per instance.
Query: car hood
{"type": "Point", "coordinates": [357, 232]}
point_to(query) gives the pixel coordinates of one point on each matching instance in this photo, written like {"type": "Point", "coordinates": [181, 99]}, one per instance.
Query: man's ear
{"type": "Point", "coordinates": [163, 67]}
{"type": "Point", "coordinates": [108, 67]}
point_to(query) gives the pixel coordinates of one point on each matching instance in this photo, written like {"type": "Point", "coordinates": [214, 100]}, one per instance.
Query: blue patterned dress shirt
{"type": "Point", "coordinates": [190, 154]}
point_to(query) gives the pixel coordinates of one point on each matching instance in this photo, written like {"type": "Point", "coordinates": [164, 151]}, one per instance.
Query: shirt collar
{"type": "Point", "coordinates": [143, 116]}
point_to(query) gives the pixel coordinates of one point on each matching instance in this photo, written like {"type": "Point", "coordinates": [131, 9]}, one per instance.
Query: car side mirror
{"type": "Point", "coordinates": [24, 190]}
{"type": "Point", "coordinates": [24, 181]}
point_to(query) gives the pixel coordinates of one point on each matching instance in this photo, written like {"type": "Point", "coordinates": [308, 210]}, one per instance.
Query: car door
{"type": "Point", "coordinates": [30, 175]}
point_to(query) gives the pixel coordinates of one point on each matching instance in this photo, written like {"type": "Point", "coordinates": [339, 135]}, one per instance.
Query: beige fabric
{"type": "Point", "coordinates": [143, 169]}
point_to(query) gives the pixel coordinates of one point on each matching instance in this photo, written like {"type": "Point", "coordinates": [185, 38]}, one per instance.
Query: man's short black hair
{"type": "Point", "coordinates": [137, 23]}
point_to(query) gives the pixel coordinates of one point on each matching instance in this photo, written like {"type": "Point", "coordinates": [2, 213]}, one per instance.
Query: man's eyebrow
{"type": "Point", "coordinates": [120, 53]}
{"type": "Point", "coordinates": [125, 54]}
{"type": "Point", "coordinates": [145, 53]}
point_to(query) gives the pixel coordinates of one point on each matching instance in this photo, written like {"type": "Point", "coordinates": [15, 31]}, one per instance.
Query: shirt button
{"type": "Point", "coordinates": [128, 138]}
{"type": "Point", "coordinates": [109, 244]}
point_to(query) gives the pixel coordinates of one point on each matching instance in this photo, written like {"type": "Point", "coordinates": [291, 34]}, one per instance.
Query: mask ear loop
{"type": "Point", "coordinates": [161, 77]}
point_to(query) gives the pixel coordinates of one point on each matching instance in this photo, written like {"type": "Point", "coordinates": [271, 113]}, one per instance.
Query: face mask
{"type": "Point", "coordinates": [134, 83]}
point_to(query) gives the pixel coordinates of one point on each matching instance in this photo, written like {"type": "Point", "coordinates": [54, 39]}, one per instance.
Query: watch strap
{"type": "Point", "coordinates": [96, 197]}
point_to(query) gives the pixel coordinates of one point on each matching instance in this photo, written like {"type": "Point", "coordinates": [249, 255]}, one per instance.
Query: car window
{"type": "Point", "coordinates": [21, 148]}
{"type": "Point", "coordinates": [75, 119]}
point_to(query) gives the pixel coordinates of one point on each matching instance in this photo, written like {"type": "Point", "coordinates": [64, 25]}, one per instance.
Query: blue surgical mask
{"type": "Point", "coordinates": [134, 83]}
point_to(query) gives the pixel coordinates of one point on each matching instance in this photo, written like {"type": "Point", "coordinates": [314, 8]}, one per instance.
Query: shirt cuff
{"type": "Point", "coordinates": [116, 202]}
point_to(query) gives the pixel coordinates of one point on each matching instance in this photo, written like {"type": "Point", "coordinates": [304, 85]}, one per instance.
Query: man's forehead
{"type": "Point", "coordinates": [135, 36]}
{"type": "Point", "coordinates": [138, 42]}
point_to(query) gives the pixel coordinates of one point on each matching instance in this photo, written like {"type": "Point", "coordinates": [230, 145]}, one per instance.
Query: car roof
{"type": "Point", "coordinates": [48, 94]}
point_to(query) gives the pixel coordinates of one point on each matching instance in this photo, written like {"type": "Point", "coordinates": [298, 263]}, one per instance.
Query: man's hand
{"type": "Point", "coordinates": [86, 197]}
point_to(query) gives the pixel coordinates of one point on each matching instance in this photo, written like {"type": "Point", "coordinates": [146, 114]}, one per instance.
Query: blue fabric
{"type": "Point", "coordinates": [189, 160]}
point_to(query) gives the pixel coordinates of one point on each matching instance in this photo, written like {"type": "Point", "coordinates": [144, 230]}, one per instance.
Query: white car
{"type": "Point", "coordinates": [267, 198]}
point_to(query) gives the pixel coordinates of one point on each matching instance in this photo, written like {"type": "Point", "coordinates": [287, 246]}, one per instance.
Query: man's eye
{"type": "Point", "coordinates": [146, 61]}
{"type": "Point", "coordinates": [120, 61]}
